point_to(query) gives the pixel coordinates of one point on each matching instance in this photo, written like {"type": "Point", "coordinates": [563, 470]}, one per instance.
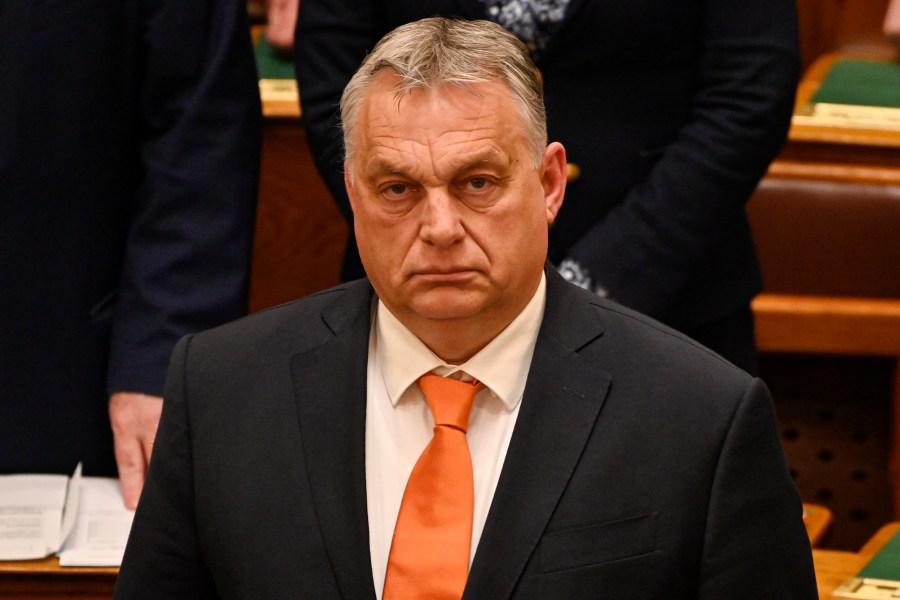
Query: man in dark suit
{"type": "Point", "coordinates": [129, 151]}
{"type": "Point", "coordinates": [610, 457]}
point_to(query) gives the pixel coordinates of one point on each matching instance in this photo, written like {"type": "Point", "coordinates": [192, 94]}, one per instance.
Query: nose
{"type": "Point", "coordinates": [441, 220]}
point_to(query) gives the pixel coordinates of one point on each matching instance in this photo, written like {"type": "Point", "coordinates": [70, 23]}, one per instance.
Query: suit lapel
{"type": "Point", "coordinates": [330, 391]}
{"type": "Point", "coordinates": [562, 400]}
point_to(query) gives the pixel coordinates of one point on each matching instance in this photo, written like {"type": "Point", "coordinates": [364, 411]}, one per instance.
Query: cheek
{"type": "Point", "coordinates": [524, 257]}
{"type": "Point", "coordinates": [515, 234]}
{"type": "Point", "coordinates": [382, 241]}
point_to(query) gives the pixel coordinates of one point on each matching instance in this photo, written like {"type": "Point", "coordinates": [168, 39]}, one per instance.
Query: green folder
{"type": "Point", "coordinates": [879, 579]}
{"type": "Point", "coordinates": [277, 84]}
{"type": "Point", "coordinates": [271, 63]}
{"type": "Point", "coordinates": [861, 82]}
{"type": "Point", "coordinates": [856, 94]}
{"type": "Point", "coordinates": [885, 564]}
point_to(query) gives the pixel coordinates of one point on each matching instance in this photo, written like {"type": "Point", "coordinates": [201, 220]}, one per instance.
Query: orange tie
{"type": "Point", "coordinates": [430, 551]}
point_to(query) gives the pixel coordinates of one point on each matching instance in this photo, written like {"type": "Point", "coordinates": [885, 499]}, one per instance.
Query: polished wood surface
{"type": "Point", "coordinates": [279, 108]}
{"type": "Point", "coordinates": [817, 519]}
{"type": "Point", "coordinates": [833, 567]}
{"type": "Point", "coordinates": [841, 25]}
{"type": "Point", "coordinates": [844, 154]}
{"type": "Point", "coordinates": [811, 324]}
{"type": "Point", "coordinates": [46, 580]}
{"type": "Point", "coordinates": [300, 234]}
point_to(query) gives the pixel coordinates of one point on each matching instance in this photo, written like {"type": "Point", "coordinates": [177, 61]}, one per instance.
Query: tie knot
{"type": "Point", "coordinates": [450, 400]}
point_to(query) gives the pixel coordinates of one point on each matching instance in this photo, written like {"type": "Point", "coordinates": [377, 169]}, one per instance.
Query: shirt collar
{"type": "Point", "coordinates": [502, 365]}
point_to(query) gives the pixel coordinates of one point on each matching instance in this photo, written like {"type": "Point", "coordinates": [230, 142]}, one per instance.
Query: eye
{"type": "Point", "coordinates": [479, 191]}
{"type": "Point", "coordinates": [398, 189]}
{"type": "Point", "coordinates": [477, 184]}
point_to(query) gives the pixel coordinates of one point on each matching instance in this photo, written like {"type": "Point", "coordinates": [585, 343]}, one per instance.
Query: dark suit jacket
{"type": "Point", "coordinates": [129, 147]}
{"type": "Point", "coordinates": [672, 109]}
{"type": "Point", "coordinates": [641, 466]}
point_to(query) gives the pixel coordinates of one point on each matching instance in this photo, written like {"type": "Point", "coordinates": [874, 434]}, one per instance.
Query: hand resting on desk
{"type": "Point", "coordinates": [134, 418]}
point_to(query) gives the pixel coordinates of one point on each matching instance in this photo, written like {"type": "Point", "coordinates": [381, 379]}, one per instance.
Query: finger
{"type": "Point", "coordinates": [132, 469]}
{"type": "Point", "coordinates": [132, 483]}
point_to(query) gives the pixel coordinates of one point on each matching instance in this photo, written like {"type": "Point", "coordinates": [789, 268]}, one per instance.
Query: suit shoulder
{"type": "Point", "coordinates": [658, 346]}
{"type": "Point", "coordinates": [666, 376]}
{"type": "Point", "coordinates": [296, 325]}
{"type": "Point", "coordinates": [623, 339]}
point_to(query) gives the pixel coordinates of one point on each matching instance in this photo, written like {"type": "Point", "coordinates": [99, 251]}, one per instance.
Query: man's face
{"type": "Point", "coordinates": [451, 214]}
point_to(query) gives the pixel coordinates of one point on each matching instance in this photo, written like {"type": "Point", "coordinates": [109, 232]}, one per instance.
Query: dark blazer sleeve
{"type": "Point", "coordinates": [332, 39]}
{"type": "Point", "coordinates": [656, 240]}
{"type": "Point", "coordinates": [187, 259]}
{"type": "Point", "coordinates": [755, 545]}
{"type": "Point", "coordinates": [162, 558]}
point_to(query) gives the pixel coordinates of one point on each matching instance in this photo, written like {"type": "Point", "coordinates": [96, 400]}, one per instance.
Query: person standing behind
{"type": "Point", "coordinates": [671, 111]}
{"type": "Point", "coordinates": [129, 156]}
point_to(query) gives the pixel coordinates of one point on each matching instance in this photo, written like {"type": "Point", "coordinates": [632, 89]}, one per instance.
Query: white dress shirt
{"type": "Point", "coordinates": [399, 423]}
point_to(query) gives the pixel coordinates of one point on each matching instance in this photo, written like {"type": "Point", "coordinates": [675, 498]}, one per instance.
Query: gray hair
{"type": "Point", "coordinates": [435, 51]}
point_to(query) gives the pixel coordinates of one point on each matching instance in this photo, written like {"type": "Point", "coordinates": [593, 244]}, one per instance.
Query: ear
{"type": "Point", "coordinates": [348, 184]}
{"type": "Point", "coordinates": [553, 179]}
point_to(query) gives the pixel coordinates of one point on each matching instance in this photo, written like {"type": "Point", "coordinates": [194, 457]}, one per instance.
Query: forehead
{"type": "Point", "coordinates": [446, 120]}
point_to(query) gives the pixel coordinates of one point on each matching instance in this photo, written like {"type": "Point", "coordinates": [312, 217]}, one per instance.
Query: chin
{"type": "Point", "coordinates": [448, 304]}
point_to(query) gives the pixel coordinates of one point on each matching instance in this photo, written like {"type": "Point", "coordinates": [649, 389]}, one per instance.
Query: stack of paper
{"type": "Point", "coordinates": [83, 519]}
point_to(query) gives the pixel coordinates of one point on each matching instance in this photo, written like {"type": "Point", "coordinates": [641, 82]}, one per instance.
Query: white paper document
{"type": "Point", "coordinates": [84, 519]}
{"type": "Point", "coordinates": [31, 509]}
{"type": "Point", "coordinates": [101, 529]}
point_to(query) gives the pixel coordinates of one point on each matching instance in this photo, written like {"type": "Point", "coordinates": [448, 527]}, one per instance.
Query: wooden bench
{"type": "Point", "coordinates": [830, 256]}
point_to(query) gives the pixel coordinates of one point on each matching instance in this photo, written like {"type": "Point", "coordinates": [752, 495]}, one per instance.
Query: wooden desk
{"type": "Point", "coordinates": [833, 567]}
{"type": "Point", "coordinates": [817, 519]}
{"type": "Point", "coordinates": [283, 104]}
{"type": "Point", "coordinates": [46, 580]}
{"type": "Point", "coordinates": [823, 168]}
{"type": "Point", "coordinates": [837, 153]}
{"type": "Point", "coordinates": [300, 234]}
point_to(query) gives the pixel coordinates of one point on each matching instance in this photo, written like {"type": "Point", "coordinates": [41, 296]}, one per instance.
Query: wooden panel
{"type": "Point", "coordinates": [827, 237]}
{"type": "Point", "coordinates": [841, 25]}
{"type": "Point", "coordinates": [817, 519]}
{"type": "Point", "coordinates": [46, 580]}
{"type": "Point", "coordinates": [813, 324]}
{"type": "Point", "coordinates": [300, 233]}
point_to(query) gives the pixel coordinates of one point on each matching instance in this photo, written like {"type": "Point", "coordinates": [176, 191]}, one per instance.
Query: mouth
{"type": "Point", "coordinates": [445, 274]}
